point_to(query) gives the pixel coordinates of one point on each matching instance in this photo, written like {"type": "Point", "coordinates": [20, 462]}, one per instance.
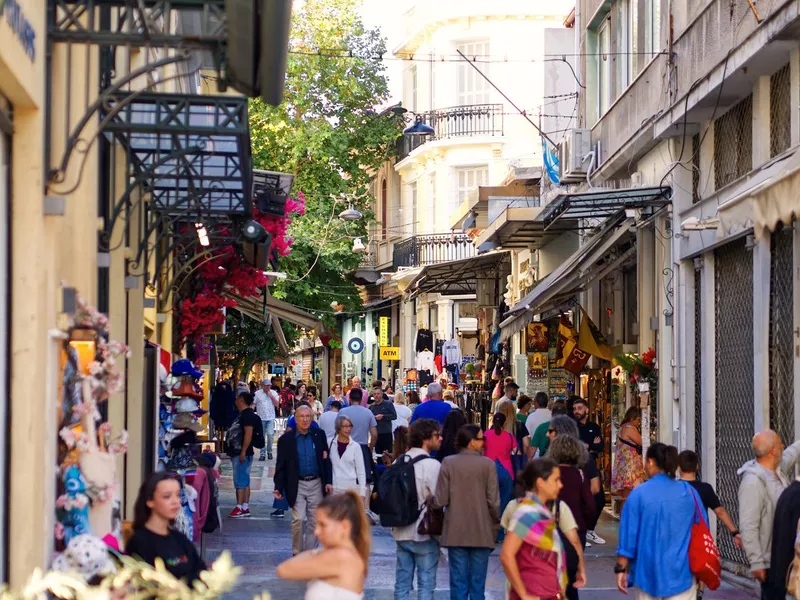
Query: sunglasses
{"type": "Point", "coordinates": [480, 439]}
{"type": "Point", "coordinates": [551, 431]}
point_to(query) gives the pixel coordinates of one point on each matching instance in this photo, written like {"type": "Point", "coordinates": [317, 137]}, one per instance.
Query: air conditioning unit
{"type": "Point", "coordinates": [576, 145]}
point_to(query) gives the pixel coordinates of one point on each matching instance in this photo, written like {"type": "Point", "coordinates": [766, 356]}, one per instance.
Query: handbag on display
{"type": "Point", "coordinates": [432, 522]}
{"type": "Point", "coordinates": [704, 562]}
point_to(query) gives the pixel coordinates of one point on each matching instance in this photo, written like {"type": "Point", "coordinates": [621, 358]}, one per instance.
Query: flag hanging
{"type": "Point", "coordinates": [591, 341]}
{"type": "Point", "coordinates": [568, 355]}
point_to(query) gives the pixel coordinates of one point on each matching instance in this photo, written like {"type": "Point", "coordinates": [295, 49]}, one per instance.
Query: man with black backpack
{"type": "Point", "coordinates": [245, 434]}
{"type": "Point", "coordinates": [404, 489]}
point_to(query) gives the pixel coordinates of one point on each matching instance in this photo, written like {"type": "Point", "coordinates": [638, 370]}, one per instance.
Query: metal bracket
{"type": "Point", "coordinates": [54, 206]}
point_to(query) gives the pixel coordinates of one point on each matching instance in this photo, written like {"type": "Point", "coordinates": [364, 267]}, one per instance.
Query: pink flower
{"type": "Point", "coordinates": [58, 531]}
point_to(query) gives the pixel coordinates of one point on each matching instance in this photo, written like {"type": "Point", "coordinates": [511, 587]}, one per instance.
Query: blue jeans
{"type": "Point", "coordinates": [468, 568]}
{"type": "Point", "coordinates": [505, 485]}
{"type": "Point", "coordinates": [269, 436]}
{"type": "Point", "coordinates": [241, 471]}
{"type": "Point", "coordinates": [422, 556]}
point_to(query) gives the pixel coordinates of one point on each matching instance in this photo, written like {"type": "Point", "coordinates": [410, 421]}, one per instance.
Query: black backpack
{"type": "Point", "coordinates": [212, 517]}
{"type": "Point", "coordinates": [397, 491]}
{"type": "Point", "coordinates": [258, 437]}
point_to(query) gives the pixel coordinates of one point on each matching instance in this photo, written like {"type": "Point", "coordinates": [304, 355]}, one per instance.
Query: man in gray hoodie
{"type": "Point", "coordinates": [763, 481]}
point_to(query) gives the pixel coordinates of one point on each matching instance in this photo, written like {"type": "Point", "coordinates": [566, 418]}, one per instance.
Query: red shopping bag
{"type": "Point", "coordinates": [704, 561]}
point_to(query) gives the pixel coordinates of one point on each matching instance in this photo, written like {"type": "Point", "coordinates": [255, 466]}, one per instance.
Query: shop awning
{"type": "Point", "coordinates": [458, 276]}
{"type": "Point", "coordinates": [478, 201]}
{"type": "Point", "coordinates": [271, 310]}
{"type": "Point", "coordinates": [603, 203]}
{"type": "Point", "coordinates": [519, 228]}
{"type": "Point", "coordinates": [771, 197]}
{"type": "Point", "coordinates": [577, 273]}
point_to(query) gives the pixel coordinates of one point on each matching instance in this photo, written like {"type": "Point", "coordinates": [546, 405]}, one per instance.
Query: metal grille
{"type": "Point", "coordinates": [733, 330]}
{"type": "Point", "coordinates": [780, 111]}
{"type": "Point", "coordinates": [698, 354]}
{"type": "Point", "coordinates": [781, 336]}
{"type": "Point", "coordinates": [733, 143]}
{"type": "Point", "coordinates": [695, 168]}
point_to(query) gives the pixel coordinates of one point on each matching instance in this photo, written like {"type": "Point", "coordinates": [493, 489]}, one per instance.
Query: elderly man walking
{"type": "Point", "coordinates": [303, 472]}
{"type": "Point", "coordinates": [267, 402]}
{"type": "Point", "coordinates": [433, 407]}
{"type": "Point", "coordinates": [763, 481]}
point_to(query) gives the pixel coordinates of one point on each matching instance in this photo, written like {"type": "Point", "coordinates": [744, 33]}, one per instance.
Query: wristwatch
{"type": "Point", "coordinates": [735, 533]}
{"type": "Point", "coordinates": [618, 568]}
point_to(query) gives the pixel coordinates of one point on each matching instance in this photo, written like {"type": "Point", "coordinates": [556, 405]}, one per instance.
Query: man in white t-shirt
{"type": "Point", "coordinates": [266, 403]}
{"type": "Point", "coordinates": [541, 413]}
{"type": "Point", "coordinates": [417, 552]}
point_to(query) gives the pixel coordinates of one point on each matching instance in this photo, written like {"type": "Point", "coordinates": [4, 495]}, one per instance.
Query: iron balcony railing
{"type": "Point", "coordinates": [457, 121]}
{"type": "Point", "coordinates": [369, 260]}
{"type": "Point", "coordinates": [422, 250]}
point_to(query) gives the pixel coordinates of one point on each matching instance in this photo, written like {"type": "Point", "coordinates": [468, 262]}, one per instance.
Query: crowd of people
{"type": "Point", "coordinates": [529, 484]}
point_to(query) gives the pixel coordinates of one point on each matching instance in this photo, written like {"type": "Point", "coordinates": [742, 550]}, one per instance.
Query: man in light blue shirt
{"type": "Point", "coordinates": [655, 530]}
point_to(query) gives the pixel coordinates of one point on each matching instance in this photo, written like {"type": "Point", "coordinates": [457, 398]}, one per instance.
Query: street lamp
{"type": "Point", "coordinates": [419, 128]}
{"type": "Point", "coordinates": [350, 214]}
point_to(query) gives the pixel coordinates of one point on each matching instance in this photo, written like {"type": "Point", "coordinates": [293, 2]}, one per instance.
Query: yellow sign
{"type": "Point", "coordinates": [383, 331]}
{"type": "Point", "coordinates": [390, 353]}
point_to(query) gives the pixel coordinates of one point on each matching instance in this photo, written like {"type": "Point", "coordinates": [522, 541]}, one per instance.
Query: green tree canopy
{"type": "Point", "coordinates": [328, 134]}
{"type": "Point", "coordinates": [248, 342]}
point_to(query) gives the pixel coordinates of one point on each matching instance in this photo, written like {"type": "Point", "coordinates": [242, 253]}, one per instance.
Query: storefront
{"type": "Point", "coordinates": [452, 336]}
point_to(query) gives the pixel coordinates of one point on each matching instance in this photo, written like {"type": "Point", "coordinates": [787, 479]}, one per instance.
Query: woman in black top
{"type": "Point", "coordinates": [452, 423]}
{"type": "Point", "coordinates": [156, 508]}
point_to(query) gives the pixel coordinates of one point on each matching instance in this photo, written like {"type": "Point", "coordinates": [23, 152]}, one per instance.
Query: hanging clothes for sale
{"type": "Point", "coordinates": [438, 361]}
{"type": "Point", "coordinates": [424, 340]}
{"type": "Point", "coordinates": [439, 345]}
{"type": "Point", "coordinates": [452, 352]}
{"type": "Point", "coordinates": [425, 361]}
{"type": "Point", "coordinates": [425, 377]}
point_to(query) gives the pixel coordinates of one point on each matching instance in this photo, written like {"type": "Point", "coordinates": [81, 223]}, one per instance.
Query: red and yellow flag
{"type": "Point", "coordinates": [568, 355]}
{"type": "Point", "coordinates": [591, 341]}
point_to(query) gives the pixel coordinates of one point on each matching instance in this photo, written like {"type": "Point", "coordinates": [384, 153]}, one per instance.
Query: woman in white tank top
{"type": "Point", "coordinates": [338, 569]}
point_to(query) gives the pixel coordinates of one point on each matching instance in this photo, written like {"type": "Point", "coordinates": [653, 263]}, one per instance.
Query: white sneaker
{"type": "Point", "coordinates": [591, 536]}
{"type": "Point", "coordinates": [588, 545]}
{"type": "Point", "coordinates": [373, 517]}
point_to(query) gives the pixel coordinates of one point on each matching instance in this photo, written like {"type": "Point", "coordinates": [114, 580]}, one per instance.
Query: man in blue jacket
{"type": "Point", "coordinates": [303, 474]}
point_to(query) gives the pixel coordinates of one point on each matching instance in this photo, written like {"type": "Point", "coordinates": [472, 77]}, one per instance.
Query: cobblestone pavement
{"type": "Point", "coordinates": [260, 543]}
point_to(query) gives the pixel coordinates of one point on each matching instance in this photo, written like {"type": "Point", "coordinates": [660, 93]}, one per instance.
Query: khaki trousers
{"type": "Point", "coordinates": [304, 515]}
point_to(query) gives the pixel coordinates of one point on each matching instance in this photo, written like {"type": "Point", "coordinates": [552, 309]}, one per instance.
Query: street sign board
{"type": "Point", "coordinates": [383, 331]}
{"type": "Point", "coordinates": [390, 353]}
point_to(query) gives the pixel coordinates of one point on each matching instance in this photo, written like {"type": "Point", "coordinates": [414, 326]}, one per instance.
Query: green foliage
{"type": "Point", "coordinates": [329, 136]}
{"type": "Point", "coordinates": [248, 342]}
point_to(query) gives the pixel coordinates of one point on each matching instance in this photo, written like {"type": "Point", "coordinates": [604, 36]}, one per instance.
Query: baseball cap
{"type": "Point", "coordinates": [266, 381]}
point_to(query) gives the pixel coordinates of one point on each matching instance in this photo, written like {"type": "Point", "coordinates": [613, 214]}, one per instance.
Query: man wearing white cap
{"type": "Point", "coordinates": [267, 401]}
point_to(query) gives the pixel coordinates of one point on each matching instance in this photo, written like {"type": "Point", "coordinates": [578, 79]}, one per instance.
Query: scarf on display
{"type": "Point", "coordinates": [534, 524]}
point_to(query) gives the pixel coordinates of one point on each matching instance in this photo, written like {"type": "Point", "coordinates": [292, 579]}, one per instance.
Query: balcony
{"type": "Point", "coordinates": [455, 122]}
{"type": "Point", "coordinates": [423, 250]}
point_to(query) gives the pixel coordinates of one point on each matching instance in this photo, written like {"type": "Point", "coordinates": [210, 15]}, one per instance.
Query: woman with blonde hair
{"type": "Point", "coordinates": [337, 570]}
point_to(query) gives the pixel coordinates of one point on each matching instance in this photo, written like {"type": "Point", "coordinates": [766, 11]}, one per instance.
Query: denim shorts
{"type": "Point", "coordinates": [241, 471]}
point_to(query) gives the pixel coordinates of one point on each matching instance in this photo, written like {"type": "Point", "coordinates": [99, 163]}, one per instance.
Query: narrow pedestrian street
{"type": "Point", "coordinates": [260, 543]}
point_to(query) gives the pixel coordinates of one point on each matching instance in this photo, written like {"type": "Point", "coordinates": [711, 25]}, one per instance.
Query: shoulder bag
{"type": "Point", "coordinates": [704, 561]}
{"type": "Point", "coordinates": [432, 522]}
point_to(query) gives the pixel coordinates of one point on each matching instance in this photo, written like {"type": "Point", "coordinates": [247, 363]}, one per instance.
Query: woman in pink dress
{"type": "Point", "coordinates": [628, 469]}
{"type": "Point", "coordinates": [499, 445]}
